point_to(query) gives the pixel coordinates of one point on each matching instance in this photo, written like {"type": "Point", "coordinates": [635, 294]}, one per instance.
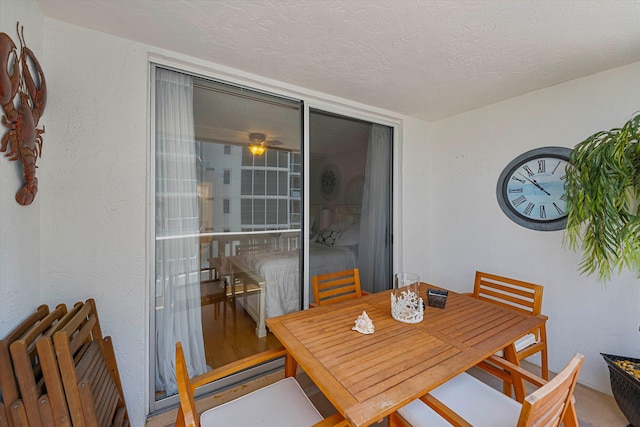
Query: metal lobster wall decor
{"type": "Point", "coordinates": [23, 99]}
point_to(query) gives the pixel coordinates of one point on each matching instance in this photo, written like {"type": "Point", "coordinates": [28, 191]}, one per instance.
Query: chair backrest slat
{"type": "Point", "coordinates": [97, 389]}
{"type": "Point", "coordinates": [51, 372]}
{"type": "Point", "coordinates": [511, 293]}
{"type": "Point", "coordinates": [28, 369]}
{"type": "Point", "coordinates": [337, 286]}
{"type": "Point", "coordinates": [8, 381]}
{"type": "Point", "coordinates": [42, 400]}
{"type": "Point", "coordinates": [548, 405]}
{"type": "Point", "coordinates": [89, 373]}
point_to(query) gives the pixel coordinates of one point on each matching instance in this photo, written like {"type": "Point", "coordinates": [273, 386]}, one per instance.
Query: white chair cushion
{"type": "Point", "coordinates": [479, 404]}
{"type": "Point", "coordinates": [522, 343]}
{"type": "Point", "coordinates": [282, 404]}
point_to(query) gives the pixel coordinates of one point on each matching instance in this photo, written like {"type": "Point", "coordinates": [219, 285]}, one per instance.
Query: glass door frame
{"type": "Point", "coordinates": [308, 102]}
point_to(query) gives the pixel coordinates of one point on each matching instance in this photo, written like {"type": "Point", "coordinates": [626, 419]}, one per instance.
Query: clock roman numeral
{"type": "Point", "coordinates": [541, 166]}
{"type": "Point", "coordinates": [518, 201]}
{"type": "Point", "coordinates": [515, 190]}
{"type": "Point", "coordinates": [527, 169]}
{"type": "Point", "coordinates": [520, 180]}
{"type": "Point", "coordinates": [554, 169]}
{"type": "Point", "coordinates": [560, 211]}
{"type": "Point", "coordinates": [529, 209]}
{"type": "Point", "coordinates": [543, 212]}
{"type": "Point", "coordinates": [563, 197]}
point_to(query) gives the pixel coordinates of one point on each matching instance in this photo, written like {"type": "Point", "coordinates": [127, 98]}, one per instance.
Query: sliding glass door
{"type": "Point", "coordinates": [229, 209]}
{"type": "Point", "coordinates": [350, 198]}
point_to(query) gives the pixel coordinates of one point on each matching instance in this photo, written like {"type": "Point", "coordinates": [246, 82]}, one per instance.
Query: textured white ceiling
{"type": "Point", "coordinates": [426, 59]}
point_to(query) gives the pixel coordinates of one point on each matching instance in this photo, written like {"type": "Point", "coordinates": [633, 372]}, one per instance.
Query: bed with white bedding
{"type": "Point", "coordinates": [282, 276]}
{"type": "Point", "coordinates": [278, 275]}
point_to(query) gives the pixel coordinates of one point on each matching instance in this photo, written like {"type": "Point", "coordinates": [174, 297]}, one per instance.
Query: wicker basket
{"type": "Point", "coordinates": [625, 388]}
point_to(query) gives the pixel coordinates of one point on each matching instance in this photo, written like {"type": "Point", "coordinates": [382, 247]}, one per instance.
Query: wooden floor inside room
{"type": "Point", "coordinates": [230, 334]}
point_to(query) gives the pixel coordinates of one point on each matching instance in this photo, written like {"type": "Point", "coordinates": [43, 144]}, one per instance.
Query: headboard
{"type": "Point", "coordinates": [324, 216]}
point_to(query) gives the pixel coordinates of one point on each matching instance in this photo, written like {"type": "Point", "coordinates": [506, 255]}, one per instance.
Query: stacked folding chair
{"type": "Point", "coordinates": [15, 412]}
{"type": "Point", "coordinates": [56, 369]}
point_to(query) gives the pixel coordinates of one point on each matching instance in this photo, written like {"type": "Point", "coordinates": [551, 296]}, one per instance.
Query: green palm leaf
{"type": "Point", "coordinates": [603, 190]}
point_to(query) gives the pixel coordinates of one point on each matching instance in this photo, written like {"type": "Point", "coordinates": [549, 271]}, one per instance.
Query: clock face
{"type": "Point", "coordinates": [531, 189]}
{"type": "Point", "coordinates": [330, 182]}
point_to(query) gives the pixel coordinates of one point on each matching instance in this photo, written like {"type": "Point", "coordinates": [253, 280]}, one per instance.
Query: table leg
{"type": "Point", "coordinates": [261, 329]}
{"type": "Point", "coordinates": [511, 355]}
{"type": "Point", "coordinates": [232, 279]}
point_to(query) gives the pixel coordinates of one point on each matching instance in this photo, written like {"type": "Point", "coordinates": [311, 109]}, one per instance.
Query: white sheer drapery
{"type": "Point", "coordinates": [375, 223]}
{"type": "Point", "coordinates": [178, 316]}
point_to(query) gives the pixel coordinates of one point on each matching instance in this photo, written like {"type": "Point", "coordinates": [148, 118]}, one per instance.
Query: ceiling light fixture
{"type": "Point", "coordinates": [257, 150]}
{"type": "Point", "coordinates": [257, 147]}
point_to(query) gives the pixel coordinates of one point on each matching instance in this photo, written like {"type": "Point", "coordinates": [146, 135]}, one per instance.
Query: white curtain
{"type": "Point", "coordinates": [374, 256]}
{"type": "Point", "coordinates": [177, 226]}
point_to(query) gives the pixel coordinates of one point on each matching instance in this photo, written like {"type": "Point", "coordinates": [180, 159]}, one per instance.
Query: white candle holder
{"type": "Point", "coordinates": [406, 303]}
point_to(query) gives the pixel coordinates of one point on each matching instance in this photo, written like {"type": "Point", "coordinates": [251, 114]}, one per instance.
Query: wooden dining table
{"type": "Point", "coordinates": [368, 377]}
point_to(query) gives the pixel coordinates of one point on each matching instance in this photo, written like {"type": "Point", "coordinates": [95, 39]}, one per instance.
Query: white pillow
{"type": "Point", "coordinates": [350, 236]}
{"type": "Point", "coordinates": [342, 224]}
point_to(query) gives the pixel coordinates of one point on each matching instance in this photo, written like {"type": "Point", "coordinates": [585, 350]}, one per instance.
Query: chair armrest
{"type": "Point", "coordinates": [444, 411]}
{"type": "Point", "coordinates": [237, 366]}
{"type": "Point", "coordinates": [517, 370]}
{"type": "Point", "coordinates": [511, 373]}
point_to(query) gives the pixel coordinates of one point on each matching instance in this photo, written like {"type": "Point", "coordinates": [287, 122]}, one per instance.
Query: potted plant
{"type": "Point", "coordinates": [603, 219]}
{"type": "Point", "coordinates": [603, 190]}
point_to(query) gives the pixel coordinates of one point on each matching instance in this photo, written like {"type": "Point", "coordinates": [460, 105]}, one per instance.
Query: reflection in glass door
{"type": "Point", "coordinates": [228, 217]}
{"type": "Point", "coordinates": [350, 173]}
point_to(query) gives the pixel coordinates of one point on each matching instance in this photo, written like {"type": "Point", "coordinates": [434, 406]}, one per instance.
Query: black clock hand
{"type": "Point", "coordinates": [534, 182]}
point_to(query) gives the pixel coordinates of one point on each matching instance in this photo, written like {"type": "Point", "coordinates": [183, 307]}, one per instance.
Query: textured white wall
{"type": "Point", "coordinates": [416, 212]}
{"type": "Point", "coordinates": [94, 190]}
{"type": "Point", "coordinates": [467, 230]}
{"type": "Point", "coordinates": [19, 225]}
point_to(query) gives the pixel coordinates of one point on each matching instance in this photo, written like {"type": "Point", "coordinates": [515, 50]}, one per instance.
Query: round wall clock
{"type": "Point", "coordinates": [330, 182]}
{"type": "Point", "coordinates": [530, 189]}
